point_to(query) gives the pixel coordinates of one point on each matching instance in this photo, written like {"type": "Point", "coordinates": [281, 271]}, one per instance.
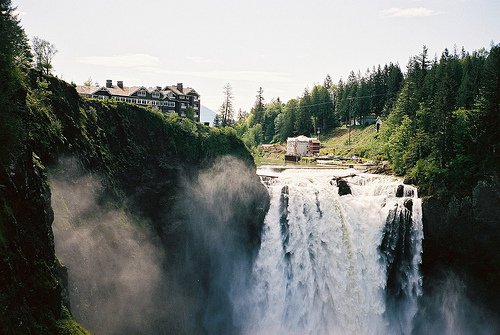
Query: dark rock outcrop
{"type": "Point", "coordinates": [396, 249]}
{"type": "Point", "coordinates": [462, 236]}
{"type": "Point", "coordinates": [400, 191]}
{"type": "Point", "coordinates": [32, 286]}
{"type": "Point", "coordinates": [408, 203]}
{"type": "Point", "coordinates": [343, 187]}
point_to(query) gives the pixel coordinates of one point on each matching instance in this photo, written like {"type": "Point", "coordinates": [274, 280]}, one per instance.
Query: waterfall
{"type": "Point", "coordinates": [331, 264]}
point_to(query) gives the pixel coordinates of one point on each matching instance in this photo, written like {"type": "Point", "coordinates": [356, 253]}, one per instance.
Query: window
{"type": "Point", "coordinates": [156, 95]}
{"type": "Point", "coordinates": [141, 93]}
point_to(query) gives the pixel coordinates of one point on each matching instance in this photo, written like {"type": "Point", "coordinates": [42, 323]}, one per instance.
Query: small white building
{"type": "Point", "coordinates": [302, 146]}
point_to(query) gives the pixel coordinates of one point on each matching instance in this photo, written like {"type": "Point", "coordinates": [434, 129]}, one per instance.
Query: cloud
{"type": "Point", "coordinates": [151, 64]}
{"type": "Point", "coordinates": [198, 59]}
{"type": "Point", "coordinates": [229, 76]}
{"type": "Point", "coordinates": [127, 60]}
{"type": "Point", "coordinates": [409, 12]}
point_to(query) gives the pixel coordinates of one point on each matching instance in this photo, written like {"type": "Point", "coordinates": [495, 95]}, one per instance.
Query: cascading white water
{"type": "Point", "coordinates": [331, 264]}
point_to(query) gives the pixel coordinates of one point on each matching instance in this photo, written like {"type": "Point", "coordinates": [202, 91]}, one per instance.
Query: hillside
{"type": "Point", "coordinates": [361, 142]}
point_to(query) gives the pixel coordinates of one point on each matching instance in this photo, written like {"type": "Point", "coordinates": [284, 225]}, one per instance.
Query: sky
{"type": "Point", "coordinates": [283, 46]}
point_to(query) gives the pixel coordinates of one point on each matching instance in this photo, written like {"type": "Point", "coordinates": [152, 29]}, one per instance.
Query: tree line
{"type": "Point", "coordinates": [320, 109]}
{"type": "Point", "coordinates": [443, 127]}
{"type": "Point", "coordinates": [441, 115]}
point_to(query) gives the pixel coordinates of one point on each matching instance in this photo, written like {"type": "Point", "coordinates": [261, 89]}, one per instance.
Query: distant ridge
{"type": "Point", "coordinates": [207, 115]}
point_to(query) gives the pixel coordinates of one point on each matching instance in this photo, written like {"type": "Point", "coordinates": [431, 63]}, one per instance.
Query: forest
{"type": "Point", "coordinates": [440, 116]}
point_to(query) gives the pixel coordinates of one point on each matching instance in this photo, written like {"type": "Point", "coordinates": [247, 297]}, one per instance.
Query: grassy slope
{"type": "Point", "coordinates": [365, 142]}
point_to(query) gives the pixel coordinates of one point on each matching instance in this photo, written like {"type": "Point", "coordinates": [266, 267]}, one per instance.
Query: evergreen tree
{"type": "Point", "coordinates": [242, 115]}
{"type": "Point", "coordinates": [393, 76]}
{"type": "Point", "coordinates": [303, 122]}
{"type": "Point", "coordinates": [226, 110]}
{"type": "Point", "coordinates": [472, 66]}
{"type": "Point", "coordinates": [272, 111]}
{"type": "Point", "coordinates": [328, 82]}
{"type": "Point", "coordinates": [448, 73]}
{"type": "Point", "coordinates": [217, 121]}
{"type": "Point", "coordinates": [488, 105]}
{"type": "Point", "coordinates": [258, 108]}
{"type": "Point", "coordinates": [15, 60]}
{"type": "Point", "coordinates": [284, 123]}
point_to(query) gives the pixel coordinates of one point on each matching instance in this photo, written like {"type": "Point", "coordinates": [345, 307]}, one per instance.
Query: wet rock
{"type": "Point", "coordinates": [400, 191]}
{"type": "Point", "coordinates": [343, 187]}
{"type": "Point", "coordinates": [408, 204]}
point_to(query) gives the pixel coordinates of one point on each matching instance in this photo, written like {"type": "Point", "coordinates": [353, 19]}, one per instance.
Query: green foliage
{"type": "Point", "coordinates": [44, 128]}
{"type": "Point", "coordinates": [441, 125]}
{"type": "Point", "coordinates": [365, 142]}
{"type": "Point", "coordinates": [190, 113]}
{"type": "Point", "coordinates": [15, 59]}
{"type": "Point", "coordinates": [226, 110]}
{"type": "Point", "coordinates": [68, 326]}
{"type": "Point", "coordinates": [398, 144]}
{"type": "Point", "coordinates": [126, 145]}
{"type": "Point", "coordinates": [43, 52]}
{"type": "Point", "coordinates": [257, 111]}
{"type": "Point", "coordinates": [429, 175]}
{"type": "Point", "coordinates": [443, 128]}
{"type": "Point", "coordinates": [253, 136]}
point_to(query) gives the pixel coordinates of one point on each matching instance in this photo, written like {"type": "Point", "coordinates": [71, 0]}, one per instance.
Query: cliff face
{"type": "Point", "coordinates": [32, 280]}
{"type": "Point", "coordinates": [462, 237]}
{"type": "Point", "coordinates": [152, 168]}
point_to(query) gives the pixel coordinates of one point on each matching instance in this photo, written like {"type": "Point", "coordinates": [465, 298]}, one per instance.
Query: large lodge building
{"type": "Point", "coordinates": [169, 99]}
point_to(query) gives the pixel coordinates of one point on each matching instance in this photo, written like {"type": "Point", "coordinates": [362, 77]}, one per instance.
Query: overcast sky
{"type": "Point", "coordinates": [282, 45]}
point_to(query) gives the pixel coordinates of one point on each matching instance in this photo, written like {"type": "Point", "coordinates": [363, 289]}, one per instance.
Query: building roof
{"type": "Point", "coordinates": [87, 89]}
{"type": "Point", "coordinates": [185, 90]}
{"type": "Point", "coordinates": [174, 89]}
{"type": "Point", "coordinates": [126, 91]}
{"type": "Point", "coordinates": [302, 138]}
{"type": "Point", "coordinates": [189, 90]}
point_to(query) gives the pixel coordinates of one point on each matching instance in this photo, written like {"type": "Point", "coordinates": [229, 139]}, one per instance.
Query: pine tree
{"type": "Point", "coordinates": [258, 108]}
{"type": "Point", "coordinates": [217, 122]}
{"type": "Point", "coordinates": [303, 123]}
{"type": "Point", "coordinates": [242, 115]}
{"type": "Point", "coordinates": [328, 82]}
{"type": "Point", "coordinates": [226, 110]}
